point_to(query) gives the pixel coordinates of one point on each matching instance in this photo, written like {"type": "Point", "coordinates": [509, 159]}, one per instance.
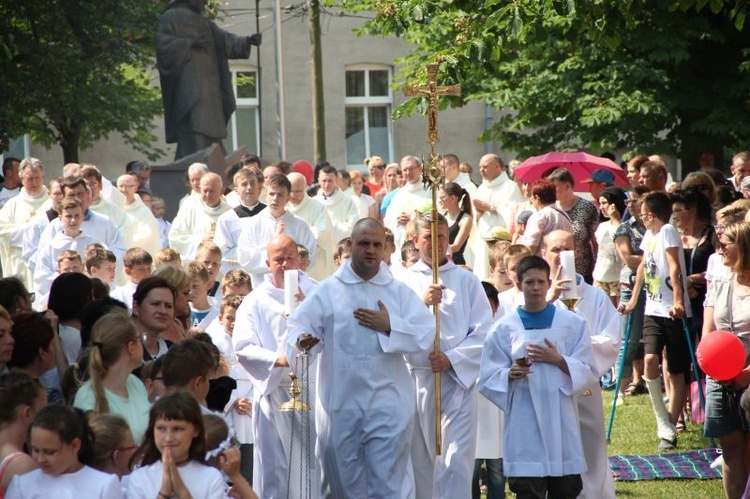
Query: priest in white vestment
{"type": "Point", "coordinates": [196, 221]}
{"type": "Point", "coordinates": [603, 326]}
{"type": "Point", "coordinates": [15, 216]}
{"type": "Point", "coordinates": [493, 204]}
{"type": "Point", "coordinates": [259, 340]}
{"type": "Point", "coordinates": [465, 318]}
{"type": "Point", "coordinates": [541, 437]}
{"type": "Point", "coordinates": [361, 322]}
{"type": "Point", "coordinates": [142, 231]}
{"type": "Point", "coordinates": [313, 212]}
{"type": "Point", "coordinates": [273, 220]}
{"type": "Point", "coordinates": [412, 198]}
{"type": "Point", "coordinates": [343, 210]}
{"type": "Point", "coordinates": [247, 184]}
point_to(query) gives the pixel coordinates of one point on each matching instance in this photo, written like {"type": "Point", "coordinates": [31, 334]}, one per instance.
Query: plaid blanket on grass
{"type": "Point", "coordinates": [693, 464]}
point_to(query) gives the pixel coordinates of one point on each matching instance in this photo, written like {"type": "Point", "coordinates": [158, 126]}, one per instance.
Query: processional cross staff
{"type": "Point", "coordinates": [432, 176]}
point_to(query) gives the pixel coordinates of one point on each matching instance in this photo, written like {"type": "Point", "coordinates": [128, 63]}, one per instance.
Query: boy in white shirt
{"type": "Point", "coordinates": [101, 264]}
{"type": "Point", "coordinates": [70, 238]}
{"type": "Point", "coordinates": [662, 272]}
{"type": "Point", "coordinates": [138, 265]}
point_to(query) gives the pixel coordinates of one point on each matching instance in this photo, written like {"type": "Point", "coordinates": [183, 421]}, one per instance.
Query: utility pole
{"type": "Point", "coordinates": [316, 59]}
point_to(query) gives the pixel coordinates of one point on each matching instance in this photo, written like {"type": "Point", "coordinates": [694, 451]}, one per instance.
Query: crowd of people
{"type": "Point", "coordinates": [146, 358]}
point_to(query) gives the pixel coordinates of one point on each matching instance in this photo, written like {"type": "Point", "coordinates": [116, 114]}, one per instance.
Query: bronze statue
{"type": "Point", "coordinates": [196, 85]}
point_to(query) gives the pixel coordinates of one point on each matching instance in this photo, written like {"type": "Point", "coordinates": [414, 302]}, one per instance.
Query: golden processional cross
{"type": "Point", "coordinates": [432, 176]}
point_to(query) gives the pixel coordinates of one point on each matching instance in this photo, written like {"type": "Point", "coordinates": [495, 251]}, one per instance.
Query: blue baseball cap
{"type": "Point", "coordinates": [601, 176]}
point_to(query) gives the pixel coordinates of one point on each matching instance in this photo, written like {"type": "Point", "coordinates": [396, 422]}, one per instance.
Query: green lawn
{"type": "Point", "coordinates": [634, 432]}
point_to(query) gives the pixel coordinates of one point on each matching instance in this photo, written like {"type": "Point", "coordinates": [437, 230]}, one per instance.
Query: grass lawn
{"type": "Point", "coordinates": [634, 432]}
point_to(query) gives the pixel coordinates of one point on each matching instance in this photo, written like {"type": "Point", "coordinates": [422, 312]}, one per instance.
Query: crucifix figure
{"type": "Point", "coordinates": [433, 176]}
{"type": "Point", "coordinates": [432, 91]}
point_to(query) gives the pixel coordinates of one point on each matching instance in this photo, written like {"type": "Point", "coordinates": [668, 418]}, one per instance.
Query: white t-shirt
{"type": "Point", "coordinates": [201, 480]}
{"type": "Point", "coordinates": [85, 483]}
{"type": "Point", "coordinates": [608, 264]}
{"type": "Point", "coordinates": [716, 268]}
{"type": "Point", "coordinates": [656, 281]}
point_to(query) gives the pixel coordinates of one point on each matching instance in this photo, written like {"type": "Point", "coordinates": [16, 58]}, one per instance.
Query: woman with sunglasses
{"type": "Point", "coordinates": [728, 309]}
{"type": "Point", "coordinates": [628, 237]}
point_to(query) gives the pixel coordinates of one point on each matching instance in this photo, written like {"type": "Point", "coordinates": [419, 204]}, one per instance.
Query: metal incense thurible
{"type": "Point", "coordinates": [295, 404]}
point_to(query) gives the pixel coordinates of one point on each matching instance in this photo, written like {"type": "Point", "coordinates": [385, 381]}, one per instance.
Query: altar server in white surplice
{"type": "Point", "coordinates": [361, 322]}
{"type": "Point", "coordinates": [259, 340]}
{"type": "Point", "coordinates": [493, 204]}
{"type": "Point", "coordinates": [95, 225]}
{"type": "Point", "coordinates": [273, 220]}
{"type": "Point", "coordinates": [315, 215]}
{"type": "Point", "coordinates": [603, 326]}
{"type": "Point", "coordinates": [196, 221]}
{"type": "Point", "coordinates": [342, 209]}
{"type": "Point", "coordinates": [412, 197]}
{"type": "Point", "coordinates": [534, 364]}
{"type": "Point", "coordinates": [247, 185]}
{"type": "Point", "coordinates": [465, 317]}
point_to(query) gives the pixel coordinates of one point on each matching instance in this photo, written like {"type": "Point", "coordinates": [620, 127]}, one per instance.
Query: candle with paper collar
{"type": "Point", "coordinates": [291, 287]}
{"type": "Point", "coordinates": [568, 264]}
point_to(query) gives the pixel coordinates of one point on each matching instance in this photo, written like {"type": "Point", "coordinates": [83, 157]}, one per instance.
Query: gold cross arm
{"type": "Point", "coordinates": [432, 91]}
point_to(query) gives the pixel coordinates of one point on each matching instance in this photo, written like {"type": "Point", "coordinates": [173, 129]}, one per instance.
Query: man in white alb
{"type": "Point", "coordinates": [465, 318]}
{"type": "Point", "coordinates": [412, 197]}
{"type": "Point", "coordinates": [343, 210]}
{"type": "Point", "coordinates": [196, 221]}
{"type": "Point", "coordinates": [313, 212]}
{"type": "Point", "coordinates": [493, 204]}
{"type": "Point", "coordinates": [259, 341]}
{"type": "Point", "coordinates": [361, 322]}
{"type": "Point", "coordinates": [273, 220]}
{"type": "Point", "coordinates": [15, 215]}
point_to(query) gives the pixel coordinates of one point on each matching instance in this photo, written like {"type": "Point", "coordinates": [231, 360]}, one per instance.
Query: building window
{"type": "Point", "coordinates": [369, 130]}
{"type": "Point", "coordinates": [244, 126]}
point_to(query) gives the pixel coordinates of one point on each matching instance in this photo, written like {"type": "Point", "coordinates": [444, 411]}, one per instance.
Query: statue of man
{"type": "Point", "coordinates": [191, 56]}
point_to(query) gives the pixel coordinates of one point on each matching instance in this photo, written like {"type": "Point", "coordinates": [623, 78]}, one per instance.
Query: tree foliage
{"type": "Point", "coordinates": [72, 72]}
{"type": "Point", "coordinates": [642, 75]}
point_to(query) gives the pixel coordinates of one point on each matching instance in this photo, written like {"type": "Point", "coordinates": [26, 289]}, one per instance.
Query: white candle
{"type": "Point", "coordinates": [291, 287]}
{"type": "Point", "coordinates": [568, 264]}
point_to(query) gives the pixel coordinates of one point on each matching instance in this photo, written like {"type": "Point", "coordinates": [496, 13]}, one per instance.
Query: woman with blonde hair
{"type": "Point", "coordinates": [367, 205]}
{"type": "Point", "coordinates": [111, 387]}
{"type": "Point", "coordinates": [376, 166]}
{"type": "Point", "coordinates": [726, 309]}
{"type": "Point", "coordinates": [179, 279]}
{"type": "Point", "coordinates": [704, 183]}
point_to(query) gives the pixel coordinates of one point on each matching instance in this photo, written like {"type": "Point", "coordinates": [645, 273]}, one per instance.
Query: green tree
{"type": "Point", "coordinates": [72, 72]}
{"type": "Point", "coordinates": [665, 76]}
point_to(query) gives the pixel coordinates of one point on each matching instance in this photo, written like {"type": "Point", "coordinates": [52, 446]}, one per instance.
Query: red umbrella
{"type": "Point", "coordinates": [579, 164]}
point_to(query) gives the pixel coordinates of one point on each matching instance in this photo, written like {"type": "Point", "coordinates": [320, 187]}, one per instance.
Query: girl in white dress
{"type": "Point", "coordinates": [62, 445]}
{"type": "Point", "coordinates": [173, 454]}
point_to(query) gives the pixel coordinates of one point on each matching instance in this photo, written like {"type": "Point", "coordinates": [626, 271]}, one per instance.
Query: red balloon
{"type": "Point", "coordinates": [721, 355]}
